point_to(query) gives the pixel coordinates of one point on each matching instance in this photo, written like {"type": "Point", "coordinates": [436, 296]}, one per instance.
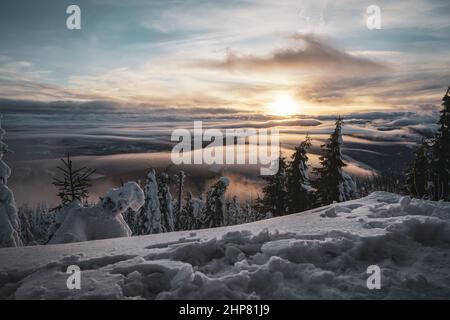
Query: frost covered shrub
{"type": "Point", "coordinates": [36, 224]}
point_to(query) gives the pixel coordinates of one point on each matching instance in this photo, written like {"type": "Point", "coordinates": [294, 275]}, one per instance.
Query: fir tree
{"type": "Point", "coordinates": [214, 211]}
{"type": "Point", "coordinates": [75, 183]}
{"type": "Point", "coordinates": [300, 192]}
{"type": "Point", "coordinates": [9, 221]}
{"type": "Point", "coordinates": [418, 172]}
{"type": "Point", "coordinates": [179, 209]}
{"type": "Point", "coordinates": [428, 175]}
{"type": "Point", "coordinates": [440, 167]}
{"type": "Point", "coordinates": [191, 213]}
{"type": "Point", "coordinates": [333, 183]}
{"type": "Point", "coordinates": [151, 209]}
{"type": "Point", "coordinates": [165, 201]}
{"type": "Point", "coordinates": [275, 197]}
{"type": "Point", "coordinates": [235, 213]}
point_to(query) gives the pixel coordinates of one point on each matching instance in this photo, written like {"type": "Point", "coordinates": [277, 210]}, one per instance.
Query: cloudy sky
{"type": "Point", "coordinates": [237, 54]}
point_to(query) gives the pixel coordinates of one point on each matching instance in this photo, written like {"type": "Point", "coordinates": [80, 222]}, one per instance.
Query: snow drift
{"type": "Point", "coordinates": [321, 253]}
{"type": "Point", "coordinates": [103, 221]}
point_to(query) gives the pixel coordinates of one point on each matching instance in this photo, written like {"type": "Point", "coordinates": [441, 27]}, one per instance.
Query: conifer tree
{"type": "Point", "coordinates": [179, 208]}
{"type": "Point", "coordinates": [9, 221]}
{"type": "Point", "coordinates": [213, 214]}
{"type": "Point", "coordinates": [151, 208]}
{"type": "Point", "coordinates": [191, 214]}
{"type": "Point", "coordinates": [74, 184]}
{"type": "Point", "coordinates": [418, 172]}
{"type": "Point", "coordinates": [235, 213]}
{"type": "Point", "coordinates": [275, 197]}
{"type": "Point", "coordinates": [299, 189]}
{"type": "Point", "coordinates": [165, 200]}
{"type": "Point", "coordinates": [333, 183]}
{"type": "Point", "coordinates": [440, 167]}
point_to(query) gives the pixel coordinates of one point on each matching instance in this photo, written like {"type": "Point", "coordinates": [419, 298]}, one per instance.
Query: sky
{"type": "Point", "coordinates": [249, 56]}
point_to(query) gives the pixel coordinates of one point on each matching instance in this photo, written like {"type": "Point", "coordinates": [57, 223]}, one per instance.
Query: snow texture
{"type": "Point", "coordinates": [103, 221]}
{"type": "Point", "coordinates": [309, 255]}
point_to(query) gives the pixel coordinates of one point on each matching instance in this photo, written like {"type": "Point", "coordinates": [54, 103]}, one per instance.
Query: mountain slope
{"type": "Point", "coordinates": [322, 253]}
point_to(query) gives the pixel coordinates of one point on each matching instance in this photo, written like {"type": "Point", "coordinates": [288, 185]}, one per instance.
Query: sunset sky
{"type": "Point", "coordinates": [311, 57]}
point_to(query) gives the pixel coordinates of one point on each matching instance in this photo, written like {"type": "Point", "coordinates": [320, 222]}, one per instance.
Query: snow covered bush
{"type": "Point", "coordinates": [35, 224]}
{"type": "Point", "coordinates": [9, 222]}
{"type": "Point", "coordinates": [103, 221]}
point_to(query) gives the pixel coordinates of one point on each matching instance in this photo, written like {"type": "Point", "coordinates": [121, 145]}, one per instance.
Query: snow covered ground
{"type": "Point", "coordinates": [322, 253]}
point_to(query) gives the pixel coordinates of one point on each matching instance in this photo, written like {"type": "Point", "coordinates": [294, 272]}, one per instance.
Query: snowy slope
{"type": "Point", "coordinates": [322, 253]}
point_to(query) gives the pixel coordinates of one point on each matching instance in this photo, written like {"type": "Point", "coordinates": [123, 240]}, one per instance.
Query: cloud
{"type": "Point", "coordinates": [309, 53]}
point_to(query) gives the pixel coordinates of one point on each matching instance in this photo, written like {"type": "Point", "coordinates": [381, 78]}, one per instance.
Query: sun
{"type": "Point", "coordinates": [284, 105]}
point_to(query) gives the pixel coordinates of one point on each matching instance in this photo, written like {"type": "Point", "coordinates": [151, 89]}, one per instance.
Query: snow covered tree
{"type": "Point", "coordinates": [418, 172]}
{"type": "Point", "coordinates": [151, 208]}
{"type": "Point", "coordinates": [275, 197]}
{"type": "Point", "coordinates": [333, 183]}
{"type": "Point", "coordinates": [235, 213]}
{"type": "Point", "coordinates": [136, 221]}
{"type": "Point", "coordinates": [75, 183]}
{"type": "Point", "coordinates": [165, 201]}
{"type": "Point", "coordinates": [440, 166]}
{"type": "Point", "coordinates": [214, 211]}
{"type": "Point", "coordinates": [191, 213]}
{"type": "Point", "coordinates": [299, 189]}
{"type": "Point", "coordinates": [9, 222]}
{"type": "Point", "coordinates": [178, 212]}
{"type": "Point", "coordinates": [428, 176]}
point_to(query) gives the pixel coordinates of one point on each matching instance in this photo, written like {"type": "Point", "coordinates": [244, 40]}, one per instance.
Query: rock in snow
{"type": "Point", "coordinates": [300, 256]}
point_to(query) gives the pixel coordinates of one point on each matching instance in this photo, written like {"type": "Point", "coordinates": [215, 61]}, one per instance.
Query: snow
{"type": "Point", "coordinates": [9, 222]}
{"type": "Point", "coordinates": [309, 255]}
{"type": "Point", "coordinates": [103, 221]}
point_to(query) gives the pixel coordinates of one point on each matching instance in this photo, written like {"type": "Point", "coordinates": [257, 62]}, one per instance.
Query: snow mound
{"type": "Point", "coordinates": [301, 256]}
{"type": "Point", "coordinates": [103, 221]}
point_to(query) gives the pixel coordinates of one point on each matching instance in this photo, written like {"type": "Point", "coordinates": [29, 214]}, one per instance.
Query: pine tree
{"type": "Point", "coordinates": [418, 172]}
{"type": "Point", "coordinates": [191, 213]}
{"type": "Point", "coordinates": [75, 183]}
{"type": "Point", "coordinates": [333, 183]}
{"type": "Point", "coordinates": [440, 167]}
{"type": "Point", "coordinates": [235, 213]}
{"type": "Point", "coordinates": [151, 209]}
{"type": "Point", "coordinates": [299, 189]}
{"type": "Point", "coordinates": [275, 197]}
{"type": "Point", "coordinates": [165, 200]}
{"type": "Point", "coordinates": [9, 220]}
{"type": "Point", "coordinates": [179, 209]}
{"type": "Point", "coordinates": [214, 211]}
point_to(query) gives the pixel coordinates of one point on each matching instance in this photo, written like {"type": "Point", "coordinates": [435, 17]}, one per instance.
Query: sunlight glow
{"type": "Point", "coordinates": [284, 105]}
